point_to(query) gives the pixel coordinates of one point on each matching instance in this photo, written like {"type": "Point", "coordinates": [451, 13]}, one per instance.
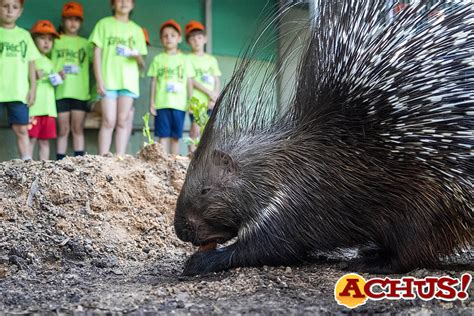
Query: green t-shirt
{"type": "Point", "coordinates": [119, 72]}
{"type": "Point", "coordinates": [172, 73]}
{"type": "Point", "coordinates": [16, 50]}
{"type": "Point", "coordinates": [45, 103]}
{"type": "Point", "coordinates": [73, 54]}
{"type": "Point", "coordinates": [206, 69]}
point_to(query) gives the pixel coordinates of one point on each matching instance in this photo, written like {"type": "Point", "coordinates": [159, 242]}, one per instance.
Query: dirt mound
{"type": "Point", "coordinates": [101, 209]}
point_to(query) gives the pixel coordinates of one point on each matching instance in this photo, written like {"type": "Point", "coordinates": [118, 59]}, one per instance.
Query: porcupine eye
{"type": "Point", "coordinates": [205, 190]}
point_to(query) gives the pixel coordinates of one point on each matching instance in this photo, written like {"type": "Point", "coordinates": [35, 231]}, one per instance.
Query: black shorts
{"type": "Point", "coordinates": [67, 105]}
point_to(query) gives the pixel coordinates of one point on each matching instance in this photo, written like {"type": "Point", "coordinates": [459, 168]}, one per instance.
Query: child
{"type": "Point", "coordinates": [206, 68]}
{"type": "Point", "coordinates": [43, 112]}
{"type": "Point", "coordinates": [171, 87]}
{"type": "Point", "coordinates": [119, 46]}
{"type": "Point", "coordinates": [17, 73]}
{"type": "Point", "coordinates": [72, 56]}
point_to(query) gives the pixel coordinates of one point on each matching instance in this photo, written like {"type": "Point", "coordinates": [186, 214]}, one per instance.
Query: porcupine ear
{"type": "Point", "coordinates": [224, 160]}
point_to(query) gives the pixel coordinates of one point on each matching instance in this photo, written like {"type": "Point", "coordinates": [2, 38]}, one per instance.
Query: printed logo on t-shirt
{"type": "Point", "coordinates": [177, 72]}
{"type": "Point", "coordinates": [114, 40]}
{"type": "Point", "coordinates": [202, 72]}
{"type": "Point", "coordinates": [71, 55]}
{"type": "Point", "coordinates": [13, 49]}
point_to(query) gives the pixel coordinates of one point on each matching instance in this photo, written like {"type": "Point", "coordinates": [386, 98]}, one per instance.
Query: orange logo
{"type": "Point", "coordinates": [349, 291]}
{"type": "Point", "coordinates": [352, 290]}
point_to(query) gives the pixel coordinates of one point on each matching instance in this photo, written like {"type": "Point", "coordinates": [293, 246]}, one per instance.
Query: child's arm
{"type": "Point", "coordinates": [153, 96]}
{"type": "Point", "coordinates": [98, 70]}
{"type": "Point", "coordinates": [212, 95]}
{"type": "Point", "coordinates": [189, 87]}
{"type": "Point", "coordinates": [31, 97]}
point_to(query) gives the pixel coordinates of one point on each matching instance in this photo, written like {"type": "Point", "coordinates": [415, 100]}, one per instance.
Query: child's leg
{"type": "Point", "coordinates": [109, 119]}
{"type": "Point", "coordinates": [63, 132]}
{"type": "Point", "coordinates": [19, 120]}
{"type": "Point", "coordinates": [193, 134]}
{"type": "Point", "coordinates": [22, 140]}
{"type": "Point", "coordinates": [174, 146]}
{"type": "Point", "coordinates": [77, 124]}
{"type": "Point", "coordinates": [130, 124]}
{"type": "Point", "coordinates": [165, 143]}
{"type": "Point", "coordinates": [43, 149]}
{"type": "Point", "coordinates": [122, 133]}
{"type": "Point", "coordinates": [31, 146]}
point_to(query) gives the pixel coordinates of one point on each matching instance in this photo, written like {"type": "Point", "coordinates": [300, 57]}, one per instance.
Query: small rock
{"type": "Point", "coordinates": [69, 168]}
{"type": "Point", "coordinates": [117, 272]}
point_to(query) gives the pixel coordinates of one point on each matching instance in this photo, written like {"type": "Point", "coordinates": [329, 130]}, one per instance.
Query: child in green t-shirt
{"type": "Point", "coordinates": [171, 87]}
{"type": "Point", "coordinates": [207, 80]}
{"type": "Point", "coordinates": [17, 72]}
{"type": "Point", "coordinates": [119, 46]}
{"type": "Point", "coordinates": [43, 112]}
{"type": "Point", "coordinates": [72, 56]}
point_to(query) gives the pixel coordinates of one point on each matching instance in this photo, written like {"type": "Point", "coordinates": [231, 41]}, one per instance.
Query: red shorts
{"type": "Point", "coordinates": [42, 127]}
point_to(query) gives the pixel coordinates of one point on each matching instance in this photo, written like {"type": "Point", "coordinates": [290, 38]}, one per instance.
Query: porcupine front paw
{"type": "Point", "coordinates": [204, 262]}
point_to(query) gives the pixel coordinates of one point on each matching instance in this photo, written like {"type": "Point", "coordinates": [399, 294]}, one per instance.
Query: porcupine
{"type": "Point", "coordinates": [374, 150]}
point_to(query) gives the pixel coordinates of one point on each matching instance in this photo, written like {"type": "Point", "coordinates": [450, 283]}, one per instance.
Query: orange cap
{"type": "Point", "coordinates": [73, 9]}
{"type": "Point", "coordinates": [171, 23]}
{"type": "Point", "coordinates": [193, 26]}
{"type": "Point", "coordinates": [147, 36]}
{"type": "Point", "coordinates": [22, 2]}
{"type": "Point", "coordinates": [44, 27]}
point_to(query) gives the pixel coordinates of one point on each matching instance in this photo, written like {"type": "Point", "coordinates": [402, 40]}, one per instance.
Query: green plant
{"type": "Point", "coordinates": [199, 110]}
{"type": "Point", "coordinates": [146, 130]}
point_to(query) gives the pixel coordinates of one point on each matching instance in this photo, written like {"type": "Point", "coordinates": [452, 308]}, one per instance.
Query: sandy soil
{"type": "Point", "coordinates": [95, 234]}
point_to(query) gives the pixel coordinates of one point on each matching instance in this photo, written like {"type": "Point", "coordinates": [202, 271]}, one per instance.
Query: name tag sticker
{"type": "Point", "coordinates": [174, 87]}
{"type": "Point", "coordinates": [71, 69]}
{"type": "Point", "coordinates": [55, 79]}
{"type": "Point", "coordinates": [125, 51]}
{"type": "Point", "coordinates": [208, 79]}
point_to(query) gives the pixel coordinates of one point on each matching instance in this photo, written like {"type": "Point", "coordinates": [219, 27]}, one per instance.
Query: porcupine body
{"type": "Point", "coordinates": [375, 149]}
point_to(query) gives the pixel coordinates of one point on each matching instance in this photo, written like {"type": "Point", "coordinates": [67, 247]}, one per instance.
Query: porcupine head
{"type": "Point", "coordinates": [375, 139]}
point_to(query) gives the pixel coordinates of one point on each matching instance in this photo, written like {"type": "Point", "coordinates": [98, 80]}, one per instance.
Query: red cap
{"type": "Point", "coordinates": [193, 26]}
{"type": "Point", "coordinates": [73, 9]}
{"type": "Point", "coordinates": [171, 23]}
{"type": "Point", "coordinates": [44, 27]}
{"type": "Point", "coordinates": [147, 36]}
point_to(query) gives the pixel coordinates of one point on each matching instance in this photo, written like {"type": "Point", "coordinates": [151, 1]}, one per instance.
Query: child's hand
{"type": "Point", "coordinates": [39, 74]}
{"type": "Point", "coordinates": [213, 95]}
{"type": "Point", "coordinates": [31, 97]}
{"type": "Point", "coordinates": [62, 74]}
{"type": "Point", "coordinates": [134, 54]}
{"type": "Point", "coordinates": [101, 89]}
{"type": "Point", "coordinates": [152, 109]}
